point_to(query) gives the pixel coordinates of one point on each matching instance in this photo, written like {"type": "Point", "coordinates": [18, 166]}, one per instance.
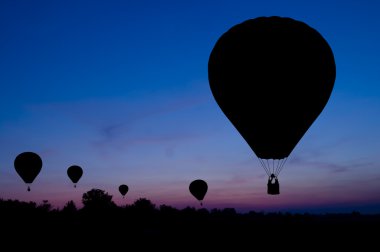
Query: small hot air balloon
{"type": "Point", "coordinates": [198, 188]}
{"type": "Point", "coordinates": [272, 77]}
{"type": "Point", "coordinates": [75, 172]}
{"type": "Point", "coordinates": [123, 189]}
{"type": "Point", "coordinates": [28, 165]}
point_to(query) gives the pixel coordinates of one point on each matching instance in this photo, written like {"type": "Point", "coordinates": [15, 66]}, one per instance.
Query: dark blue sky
{"type": "Point", "coordinates": [121, 89]}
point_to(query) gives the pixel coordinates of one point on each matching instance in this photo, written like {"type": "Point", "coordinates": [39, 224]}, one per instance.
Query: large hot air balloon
{"type": "Point", "coordinates": [271, 77]}
{"type": "Point", "coordinates": [198, 188]}
{"type": "Point", "coordinates": [28, 165]}
{"type": "Point", "coordinates": [123, 189]}
{"type": "Point", "coordinates": [75, 172]}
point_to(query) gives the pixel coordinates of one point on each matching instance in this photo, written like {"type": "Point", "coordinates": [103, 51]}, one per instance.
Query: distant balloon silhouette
{"type": "Point", "coordinates": [123, 189]}
{"type": "Point", "coordinates": [28, 165]}
{"type": "Point", "coordinates": [271, 77]}
{"type": "Point", "coordinates": [198, 188]}
{"type": "Point", "coordinates": [75, 172]}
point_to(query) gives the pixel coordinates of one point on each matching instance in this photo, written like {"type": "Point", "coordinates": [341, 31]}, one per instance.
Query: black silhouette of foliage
{"type": "Point", "coordinates": [45, 206]}
{"type": "Point", "coordinates": [70, 207]}
{"type": "Point", "coordinates": [97, 199]}
{"type": "Point", "coordinates": [144, 205]}
{"type": "Point", "coordinates": [142, 221]}
{"type": "Point", "coordinates": [165, 209]}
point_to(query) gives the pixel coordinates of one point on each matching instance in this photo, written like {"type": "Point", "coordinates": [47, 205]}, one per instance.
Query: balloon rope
{"type": "Point", "coordinates": [262, 165]}
{"type": "Point", "coordinates": [272, 167]}
{"type": "Point", "coordinates": [265, 168]}
{"type": "Point", "coordinates": [269, 166]}
{"type": "Point", "coordinates": [278, 165]}
{"type": "Point", "coordinates": [282, 165]}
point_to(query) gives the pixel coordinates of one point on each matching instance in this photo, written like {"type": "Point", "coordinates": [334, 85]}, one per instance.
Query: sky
{"type": "Point", "coordinates": [121, 89]}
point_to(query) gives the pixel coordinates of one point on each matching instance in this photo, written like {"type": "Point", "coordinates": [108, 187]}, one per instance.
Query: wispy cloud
{"type": "Point", "coordinates": [238, 180]}
{"type": "Point", "coordinates": [112, 131]}
{"type": "Point", "coordinates": [332, 167]}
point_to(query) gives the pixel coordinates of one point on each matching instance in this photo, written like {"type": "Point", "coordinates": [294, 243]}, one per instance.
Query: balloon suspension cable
{"type": "Point", "coordinates": [265, 168]}
{"type": "Point", "coordinates": [281, 166]}
{"type": "Point", "coordinates": [274, 166]}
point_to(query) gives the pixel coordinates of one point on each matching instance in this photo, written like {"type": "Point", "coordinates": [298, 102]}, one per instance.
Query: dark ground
{"type": "Point", "coordinates": [143, 226]}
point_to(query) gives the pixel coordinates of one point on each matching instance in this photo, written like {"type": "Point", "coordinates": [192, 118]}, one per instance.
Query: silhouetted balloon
{"type": "Point", "coordinates": [271, 77]}
{"type": "Point", "coordinates": [123, 189]}
{"type": "Point", "coordinates": [75, 172]}
{"type": "Point", "coordinates": [28, 165]}
{"type": "Point", "coordinates": [198, 188]}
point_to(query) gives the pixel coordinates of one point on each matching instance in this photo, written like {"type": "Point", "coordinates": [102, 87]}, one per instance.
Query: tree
{"type": "Point", "coordinates": [45, 206]}
{"type": "Point", "coordinates": [144, 206]}
{"type": "Point", "coordinates": [168, 210]}
{"type": "Point", "coordinates": [70, 207]}
{"type": "Point", "coordinates": [97, 199]}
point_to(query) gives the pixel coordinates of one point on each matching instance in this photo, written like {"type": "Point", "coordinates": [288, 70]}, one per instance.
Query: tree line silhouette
{"type": "Point", "coordinates": [101, 217]}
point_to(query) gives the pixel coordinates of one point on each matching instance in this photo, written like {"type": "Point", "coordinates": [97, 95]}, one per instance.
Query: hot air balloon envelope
{"type": "Point", "coordinates": [271, 77]}
{"type": "Point", "coordinates": [198, 188]}
{"type": "Point", "coordinates": [75, 172]}
{"type": "Point", "coordinates": [28, 165]}
{"type": "Point", "coordinates": [123, 189]}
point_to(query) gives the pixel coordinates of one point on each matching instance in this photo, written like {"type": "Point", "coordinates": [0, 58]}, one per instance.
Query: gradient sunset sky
{"type": "Point", "coordinates": [121, 89]}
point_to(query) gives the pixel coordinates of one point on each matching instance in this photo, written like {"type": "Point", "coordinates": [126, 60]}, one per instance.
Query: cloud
{"type": "Point", "coordinates": [238, 180]}
{"type": "Point", "coordinates": [111, 131]}
{"type": "Point", "coordinates": [152, 125]}
{"type": "Point", "coordinates": [332, 167]}
{"type": "Point", "coordinates": [338, 156]}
